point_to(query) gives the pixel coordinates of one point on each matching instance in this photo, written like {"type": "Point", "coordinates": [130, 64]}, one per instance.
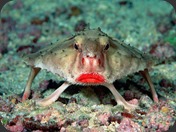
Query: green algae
{"type": "Point", "coordinates": [171, 38]}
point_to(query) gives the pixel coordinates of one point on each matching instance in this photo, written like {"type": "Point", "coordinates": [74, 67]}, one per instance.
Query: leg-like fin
{"type": "Point", "coordinates": [146, 75]}
{"type": "Point", "coordinates": [32, 75]}
{"type": "Point", "coordinates": [54, 96]}
{"type": "Point", "coordinates": [119, 99]}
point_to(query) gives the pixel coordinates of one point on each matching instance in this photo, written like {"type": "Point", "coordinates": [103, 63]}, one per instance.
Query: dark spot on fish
{"type": "Point", "coordinates": [99, 29]}
{"type": "Point", "coordinates": [77, 34]}
{"type": "Point", "coordinates": [71, 37]}
{"type": "Point", "coordinates": [100, 34]}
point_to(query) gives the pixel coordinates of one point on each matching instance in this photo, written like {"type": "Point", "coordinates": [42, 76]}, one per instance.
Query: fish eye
{"type": "Point", "coordinates": [106, 47]}
{"type": "Point", "coordinates": [76, 46]}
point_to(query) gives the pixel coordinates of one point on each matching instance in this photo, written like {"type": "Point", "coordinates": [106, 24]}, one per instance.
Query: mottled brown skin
{"type": "Point", "coordinates": [90, 57]}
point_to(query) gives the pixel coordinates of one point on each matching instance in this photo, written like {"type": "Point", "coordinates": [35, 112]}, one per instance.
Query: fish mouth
{"type": "Point", "coordinates": [93, 78]}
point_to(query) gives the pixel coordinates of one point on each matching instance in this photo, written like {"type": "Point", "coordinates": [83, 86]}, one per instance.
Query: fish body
{"type": "Point", "coordinates": [90, 57]}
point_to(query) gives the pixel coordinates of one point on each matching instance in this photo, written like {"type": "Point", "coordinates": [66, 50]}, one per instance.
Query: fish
{"type": "Point", "coordinates": [90, 57]}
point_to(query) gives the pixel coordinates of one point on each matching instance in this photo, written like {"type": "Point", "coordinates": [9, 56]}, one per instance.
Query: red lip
{"type": "Point", "coordinates": [90, 78]}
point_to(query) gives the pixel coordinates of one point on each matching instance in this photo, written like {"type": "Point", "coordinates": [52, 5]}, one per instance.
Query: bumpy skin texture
{"type": "Point", "coordinates": [90, 57]}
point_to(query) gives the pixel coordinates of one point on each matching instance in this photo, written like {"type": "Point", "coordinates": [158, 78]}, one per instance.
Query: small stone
{"type": "Point", "coordinates": [165, 109]}
{"type": "Point", "coordinates": [145, 101]}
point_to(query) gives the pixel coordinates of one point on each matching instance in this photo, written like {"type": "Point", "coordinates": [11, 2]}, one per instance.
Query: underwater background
{"type": "Point", "coordinates": [29, 25]}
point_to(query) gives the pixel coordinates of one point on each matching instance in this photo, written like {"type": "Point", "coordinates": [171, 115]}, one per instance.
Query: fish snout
{"type": "Point", "coordinates": [92, 61]}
